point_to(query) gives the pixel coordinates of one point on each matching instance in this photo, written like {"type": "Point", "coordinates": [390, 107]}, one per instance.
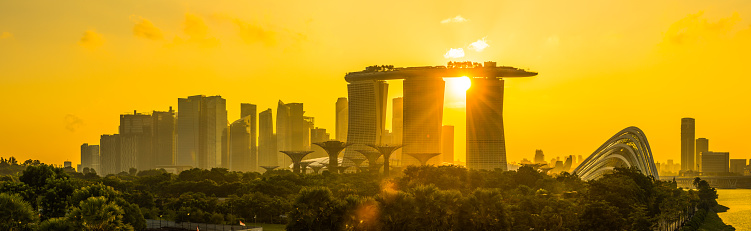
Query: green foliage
{"type": "Point", "coordinates": [316, 209]}
{"type": "Point", "coordinates": [56, 224]}
{"type": "Point", "coordinates": [97, 213]}
{"type": "Point", "coordinates": [16, 214]}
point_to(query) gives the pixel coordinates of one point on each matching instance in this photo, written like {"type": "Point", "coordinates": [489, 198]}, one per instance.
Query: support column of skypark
{"type": "Point", "coordinates": [386, 151]}
{"type": "Point", "coordinates": [423, 157]}
{"type": "Point", "coordinates": [333, 148]}
{"type": "Point", "coordinates": [357, 161]}
{"type": "Point", "coordinates": [316, 168]}
{"type": "Point", "coordinates": [269, 168]}
{"type": "Point", "coordinates": [304, 166]}
{"type": "Point", "coordinates": [372, 157]}
{"type": "Point", "coordinates": [296, 157]}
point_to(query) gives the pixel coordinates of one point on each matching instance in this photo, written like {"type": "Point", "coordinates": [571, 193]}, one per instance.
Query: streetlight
{"type": "Point", "coordinates": [160, 221]}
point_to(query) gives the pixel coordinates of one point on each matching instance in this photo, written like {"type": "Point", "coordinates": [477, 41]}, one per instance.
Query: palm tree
{"type": "Point", "coordinates": [98, 214]}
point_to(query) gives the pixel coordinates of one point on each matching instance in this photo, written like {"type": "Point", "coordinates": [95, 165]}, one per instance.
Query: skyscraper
{"type": "Point", "coordinates": [687, 144]}
{"type": "Point", "coordinates": [486, 145]}
{"type": "Point", "coordinates": [201, 120]}
{"type": "Point", "coordinates": [737, 166]}
{"type": "Point", "coordinates": [341, 119]}
{"type": "Point", "coordinates": [240, 156]}
{"type": "Point", "coordinates": [423, 117]}
{"type": "Point", "coordinates": [109, 154]}
{"type": "Point", "coordinates": [447, 144]}
{"type": "Point", "coordinates": [702, 145]}
{"type": "Point", "coordinates": [136, 137]}
{"type": "Point", "coordinates": [267, 152]}
{"type": "Point", "coordinates": [250, 111]}
{"type": "Point", "coordinates": [90, 157]}
{"type": "Point", "coordinates": [308, 125]}
{"type": "Point", "coordinates": [540, 157]}
{"type": "Point", "coordinates": [367, 115]}
{"type": "Point", "coordinates": [715, 162]}
{"type": "Point", "coordinates": [163, 137]}
{"type": "Point", "coordinates": [318, 135]}
{"type": "Point", "coordinates": [397, 125]}
{"type": "Point", "coordinates": [283, 133]}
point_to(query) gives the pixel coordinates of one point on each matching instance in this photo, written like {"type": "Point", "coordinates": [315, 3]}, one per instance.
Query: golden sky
{"type": "Point", "coordinates": [69, 68]}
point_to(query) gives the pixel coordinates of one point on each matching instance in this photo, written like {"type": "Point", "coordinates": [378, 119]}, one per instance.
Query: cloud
{"type": "Point", "coordinates": [456, 19]}
{"type": "Point", "coordinates": [478, 46]}
{"type": "Point", "coordinates": [198, 32]}
{"type": "Point", "coordinates": [454, 53]}
{"type": "Point", "coordinates": [694, 28]}
{"type": "Point", "coordinates": [251, 33]}
{"type": "Point", "coordinates": [72, 122]}
{"type": "Point", "coordinates": [91, 39]}
{"type": "Point", "coordinates": [145, 29]}
{"type": "Point", "coordinates": [6, 35]}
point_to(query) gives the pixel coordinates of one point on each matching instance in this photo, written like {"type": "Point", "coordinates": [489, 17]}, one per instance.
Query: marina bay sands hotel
{"type": "Point", "coordinates": [423, 110]}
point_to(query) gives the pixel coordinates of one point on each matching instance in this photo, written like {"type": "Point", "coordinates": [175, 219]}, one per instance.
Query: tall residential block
{"type": "Point", "coordinates": [240, 156]}
{"type": "Point", "coordinates": [447, 144]}
{"type": "Point", "coordinates": [423, 118]}
{"type": "Point", "coordinates": [341, 119]}
{"type": "Point", "coordinates": [163, 137]}
{"type": "Point", "coordinates": [486, 143]}
{"type": "Point", "coordinates": [90, 157]}
{"type": "Point", "coordinates": [540, 157]}
{"type": "Point", "coordinates": [201, 121]}
{"type": "Point", "coordinates": [136, 131]}
{"type": "Point", "coordinates": [688, 134]}
{"type": "Point", "coordinates": [109, 154]}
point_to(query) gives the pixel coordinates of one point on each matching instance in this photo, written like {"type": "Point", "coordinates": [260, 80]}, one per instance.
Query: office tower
{"type": "Point", "coordinates": [201, 120]}
{"type": "Point", "coordinates": [341, 119]}
{"type": "Point", "coordinates": [135, 137]}
{"type": "Point", "coordinates": [737, 165]}
{"type": "Point", "coordinates": [250, 110]}
{"type": "Point", "coordinates": [447, 144]}
{"type": "Point", "coordinates": [109, 154]}
{"type": "Point", "coordinates": [308, 124]}
{"type": "Point", "coordinates": [297, 124]}
{"type": "Point", "coordinates": [687, 144]}
{"type": "Point", "coordinates": [669, 166]}
{"type": "Point", "coordinates": [567, 164]}
{"type": "Point", "coordinates": [90, 157]}
{"type": "Point", "coordinates": [539, 157]}
{"type": "Point", "coordinates": [715, 162]}
{"type": "Point", "coordinates": [283, 133]}
{"type": "Point", "coordinates": [486, 145]}
{"type": "Point", "coordinates": [318, 135]}
{"type": "Point", "coordinates": [267, 153]}
{"type": "Point", "coordinates": [240, 156]}
{"type": "Point", "coordinates": [423, 117]}
{"type": "Point", "coordinates": [397, 126]}
{"type": "Point", "coordinates": [162, 137]}
{"type": "Point", "coordinates": [367, 115]}
{"type": "Point", "coordinates": [702, 145]}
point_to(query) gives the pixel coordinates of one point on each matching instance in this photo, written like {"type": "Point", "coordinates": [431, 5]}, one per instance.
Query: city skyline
{"type": "Point", "coordinates": [75, 104]}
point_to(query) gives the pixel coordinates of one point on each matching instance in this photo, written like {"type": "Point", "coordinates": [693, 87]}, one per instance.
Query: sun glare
{"type": "Point", "coordinates": [461, 84]}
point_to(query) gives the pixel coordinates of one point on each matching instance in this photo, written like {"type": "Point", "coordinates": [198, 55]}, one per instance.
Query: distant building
{"type": "Point", "coordinates": [240, 156]}
{"type": "Point", "coordinates": [486, 142]}
{"type": "Point", "coordinates": [687, 144]}
{"type": "Point", "coordinates": [702, 145]}
{"type": "Point", "coordinates": [109, 151]}
{"type": "Point", "coordinates": [318, 135]}
{"type": "Point", "coordinates": [67, 164]}
{"type": "Point", "coordinates": [737, 165]}
{"type": "Point", "coordinates": [201, 121]}
{"type": "Point", "coordinates": [308, 125]}
{"type": "Point", "coordinates": [539, 157]}
{"type": "Point", "coordinates": [163, 137]}
{"type": "Point", "coordinates": [397, 125]}
{"type": "Point", "coordinates": [89, 157]}
{"type": "Point", "coordinates": [136, 141]}
{"type": "Point", "coordinates": [367, 115]}
{"type": "Point", "coordinates": [342, 110]}
{"type": "Point", "coordinates": [250, 111]}
{"type": "Point", "coordinates": [567, 164]}
{"type": "Point", "coordinates": [447, 144]}
{"type": "Point", "coordinates": [715, 162]}
{"type": "Point", "coordinates": [267, 151]}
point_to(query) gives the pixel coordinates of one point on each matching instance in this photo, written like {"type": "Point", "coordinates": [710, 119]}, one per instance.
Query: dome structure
{"type": "Point", "coordinates": [627, 148]}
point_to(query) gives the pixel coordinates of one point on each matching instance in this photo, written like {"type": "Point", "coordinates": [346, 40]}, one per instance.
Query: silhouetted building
{"type": "Point", "coordinates": [297, 125]}
{"type": "Point", "coordinates": [89, 157]}
{"type": "Point", "coordinates": [397, 125]}
{"type": "Point", "coordinates": [109, 152]}
{"type": "Point", "coordinates": [250, 110]}
{"type": "Point", "coordinates": [240, 156]}
{"type": "Point", "coordinates": [702, 145]}
{"type": "Point", "coordinates": [567, 164]}
{"type": "Point", "coordinates": [737, 165]}
{"type": "Point", "coordinates": [201, 120]}
{"type": "Point", "coordinates": [687, 144]}
{"type": "Point", "coordinates": [367, 115]}
{"type": "Point", "coordinates": [267, 151]}
{"type": "Point", "coordinates": [715, 162]}
{"type": "Point", "coordinates": [136, 137]}
{"type": "Point", "coordinates": [163, 137]}
{"type": "Point", "coordinates": [539, 157]}
{"type": "Point", "coordinates": [342, 111]}
{"type": "Point", "coordinates": [486, 145]}
{"type": "Point", "coordinates": [318, 135]}
{"type": "Point", "coordinates": [308, 125]}
{"type": "Point", "coordinates": [423, 118]}
{"type": "Point", "coordinates": [447, 144]}
{"type": "Point", "coordinates": [67, 164]}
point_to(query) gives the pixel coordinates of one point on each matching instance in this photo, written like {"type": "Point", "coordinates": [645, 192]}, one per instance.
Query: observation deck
{"type": "Point", "coordinates": [453, 69]}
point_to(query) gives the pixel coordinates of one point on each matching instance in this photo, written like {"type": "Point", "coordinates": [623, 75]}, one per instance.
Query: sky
{"type": "Point", "coordinates": [68, 69]}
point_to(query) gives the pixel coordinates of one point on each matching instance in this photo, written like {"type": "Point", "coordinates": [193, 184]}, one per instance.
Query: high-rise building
{"type": "Point", "coordinates": [90, 157]}
{"type": "Point", "coordinates": [109, 152]}
{"type": "Point", "coordinates": [250, 111]}
{"type": "Point", "coordinates": [539, 157]}
{"type": "Point", "coordinates": [715, 162]}
{"type": "Point", "coordinates": [283, 133]}
{"type": "Point", "coordinates": [447, 144]}
{"type": "Point", "coordinates": [397, 125]}
{"type": "Point", "coordinates": [240, 156]}
{"type": "Point", "coordinates": [423, 118]}
{"type": "Point", "coordinates": [567, 163]}
{"type": "Point", "coordinates": [136, 137]}
{"type": "Point", "coordinates": [486, 144]}
{"type": "Point", "coordinates": [201, 121]}
{"type": "Point", "coordinates": [298, 125]}
{"type": "Point", "coordinates": [737, 165]}
{"type": "Point", "coordinates": [318, 135]}
{"type": "Point", "coordinates": [163, 137]}
{"type": "Point", "coordinates": [688, 134]}
{"type": "Point", "coordinates": [267, 152]}
{"type": "Point", "coordinates": [367, 115]}
{"type": "Point", "coordinates": [341, 119]}
{"type": "Point", "coordinates": [702, 145]}
{"type": "Point", "coordinates": [308, 125]}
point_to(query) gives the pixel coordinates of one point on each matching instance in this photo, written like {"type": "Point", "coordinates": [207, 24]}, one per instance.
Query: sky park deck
{"type": "Point", "coordinates": [452, 69]}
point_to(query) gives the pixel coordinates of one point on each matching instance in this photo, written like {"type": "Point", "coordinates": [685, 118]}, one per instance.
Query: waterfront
{"type": "Point", "coordinates": [739, 214]}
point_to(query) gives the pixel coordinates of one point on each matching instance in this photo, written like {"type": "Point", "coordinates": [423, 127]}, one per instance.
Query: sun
{"type": "Point", "coordinates": [461, 84]}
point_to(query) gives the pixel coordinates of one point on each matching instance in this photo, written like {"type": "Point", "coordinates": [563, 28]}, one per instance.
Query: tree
{"type": "Point", "coordinates": [316, 209]}
{"type": "Point", "coordinates": [132, 215]}
{"type": "Point", "coordinates": [55, 224]}
{"type": "Point", "coordinates": [98, 214]}
{"type": "Point", "coordinates": [16, 214]}
{"type": "Point", "coordinates": [484, 210]}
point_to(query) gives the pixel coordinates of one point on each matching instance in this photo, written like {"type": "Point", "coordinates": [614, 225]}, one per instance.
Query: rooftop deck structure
{"type": "Point", "coordinates": [453, 69]}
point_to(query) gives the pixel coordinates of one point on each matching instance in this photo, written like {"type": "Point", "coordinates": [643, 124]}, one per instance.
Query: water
{"type": "Point", "coordinates": [739, 202]}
